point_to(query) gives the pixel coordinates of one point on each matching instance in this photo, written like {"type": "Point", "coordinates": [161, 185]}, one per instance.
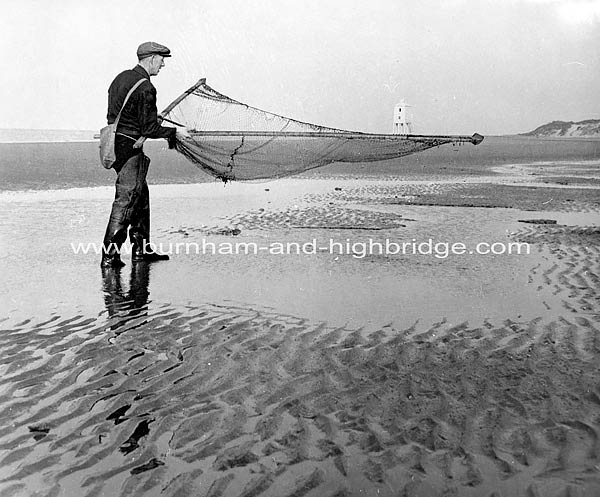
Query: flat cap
{"type": "Point", "coordinates": [149, 48]}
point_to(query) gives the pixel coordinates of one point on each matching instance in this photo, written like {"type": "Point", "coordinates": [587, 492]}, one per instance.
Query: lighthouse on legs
{"type": "Point", "coordinates": [402, 120]}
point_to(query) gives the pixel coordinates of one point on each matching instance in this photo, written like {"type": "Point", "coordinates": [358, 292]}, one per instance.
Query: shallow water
{"type": "Point", "coordinates": [340, 283]}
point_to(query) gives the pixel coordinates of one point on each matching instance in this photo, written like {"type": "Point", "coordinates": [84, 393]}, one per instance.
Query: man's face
{"type": "Point", "coordinates": [158, 62]}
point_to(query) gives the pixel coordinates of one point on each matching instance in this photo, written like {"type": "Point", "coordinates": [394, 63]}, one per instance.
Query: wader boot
{"type": "Point", "coordinates": [111, 246]}
{"type": "Point", "coordinates": [141, 251]}
{"type": "Point", "coordinates": [139, 232]}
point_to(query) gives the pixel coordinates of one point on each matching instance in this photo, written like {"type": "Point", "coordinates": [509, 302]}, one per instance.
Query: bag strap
{"type": "Point", "coordinates": [133, 88]}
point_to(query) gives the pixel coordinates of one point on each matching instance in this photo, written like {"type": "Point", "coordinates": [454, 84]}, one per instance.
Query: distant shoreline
{"type": "Point", "coordinates": [8, 135]}
{"type": "Point", "coordinates": [94, 139]}
{"type": "Point", "coordinates": [36, 142]}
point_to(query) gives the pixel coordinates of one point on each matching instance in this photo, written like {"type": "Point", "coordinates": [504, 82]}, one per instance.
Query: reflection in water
{"type": "Point", "coordinates": [123, 304]}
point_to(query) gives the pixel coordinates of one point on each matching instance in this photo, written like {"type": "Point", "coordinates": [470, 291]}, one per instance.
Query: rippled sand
{"type": "Point", "coordinates": [321, 374]}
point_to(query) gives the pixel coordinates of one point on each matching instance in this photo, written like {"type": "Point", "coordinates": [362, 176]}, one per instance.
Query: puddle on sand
{"type": "Point", "coordinates": [565, 218]}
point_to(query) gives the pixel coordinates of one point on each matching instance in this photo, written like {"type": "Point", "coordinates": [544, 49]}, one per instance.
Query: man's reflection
{"type": "Point", "coordinates": [123, 304]}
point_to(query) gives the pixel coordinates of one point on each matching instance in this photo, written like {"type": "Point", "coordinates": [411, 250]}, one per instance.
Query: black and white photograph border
{"type": "Point", "coordinates": [332, 248]}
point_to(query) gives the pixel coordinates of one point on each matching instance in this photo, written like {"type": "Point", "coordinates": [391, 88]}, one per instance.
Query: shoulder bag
{"type": "Point", "coordinates": [107, 134]}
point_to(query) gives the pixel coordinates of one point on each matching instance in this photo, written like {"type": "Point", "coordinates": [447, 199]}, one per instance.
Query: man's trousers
{"type": "Point", "coordinates": [131, 206]}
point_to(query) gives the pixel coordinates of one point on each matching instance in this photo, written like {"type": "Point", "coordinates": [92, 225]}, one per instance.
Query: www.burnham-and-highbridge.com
{"type": "Point", "coordinates": [356, 248]}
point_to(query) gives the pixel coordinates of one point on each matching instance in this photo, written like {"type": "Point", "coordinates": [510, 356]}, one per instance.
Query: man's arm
{"type": "Point", "coordinates": [149, 122]}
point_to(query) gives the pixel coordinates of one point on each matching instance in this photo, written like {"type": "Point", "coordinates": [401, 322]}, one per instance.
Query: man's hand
{"type": "Point", "coordinates": [182, 133]}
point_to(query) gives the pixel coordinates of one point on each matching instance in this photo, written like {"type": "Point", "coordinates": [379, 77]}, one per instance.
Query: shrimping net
{"type": "Point", "coordinates": [233, 141]}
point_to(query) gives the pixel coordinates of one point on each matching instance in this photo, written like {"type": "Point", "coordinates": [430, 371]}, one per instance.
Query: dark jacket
{"type": "Point", "coordinates": [139, 117]}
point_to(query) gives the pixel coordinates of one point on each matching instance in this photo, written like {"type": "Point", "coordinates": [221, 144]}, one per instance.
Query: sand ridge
{"type": "Point", "coordinates": [229, 401]}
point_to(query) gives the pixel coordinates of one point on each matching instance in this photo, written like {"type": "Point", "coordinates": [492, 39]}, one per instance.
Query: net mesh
{"type": "Point", "coordinates": [234, 141]}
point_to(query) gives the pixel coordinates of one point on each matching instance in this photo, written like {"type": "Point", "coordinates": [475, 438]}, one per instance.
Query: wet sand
{"type": "Point", "coordinates": [320, 374]}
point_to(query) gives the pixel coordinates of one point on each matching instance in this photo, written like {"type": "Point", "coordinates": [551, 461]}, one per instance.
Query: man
{"type": "Point", "coordinates": [139, 119]}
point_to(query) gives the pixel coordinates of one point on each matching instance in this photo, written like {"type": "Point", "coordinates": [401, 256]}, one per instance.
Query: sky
{"type": "Point", "coordinates": [464, 66]}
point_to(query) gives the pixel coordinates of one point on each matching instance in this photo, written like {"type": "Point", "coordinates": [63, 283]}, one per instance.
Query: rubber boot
{"type": "Point", "coordinates": [111, 248]}
{"type": "Point", "coordinates": [141, 250]}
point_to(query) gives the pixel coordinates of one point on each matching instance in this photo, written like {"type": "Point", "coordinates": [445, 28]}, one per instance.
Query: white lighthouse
{"type": "Point", "coordinates": [402, 120]}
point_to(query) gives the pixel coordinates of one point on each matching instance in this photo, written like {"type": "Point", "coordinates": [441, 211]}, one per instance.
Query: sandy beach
{"type": "Point", "coordinates": [332, 371]}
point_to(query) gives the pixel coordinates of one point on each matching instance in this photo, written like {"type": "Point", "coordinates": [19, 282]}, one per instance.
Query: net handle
{"type": "Point", "coordinates": [175, 102]}
{"type": "Point", "coordinates": [475, 139]}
